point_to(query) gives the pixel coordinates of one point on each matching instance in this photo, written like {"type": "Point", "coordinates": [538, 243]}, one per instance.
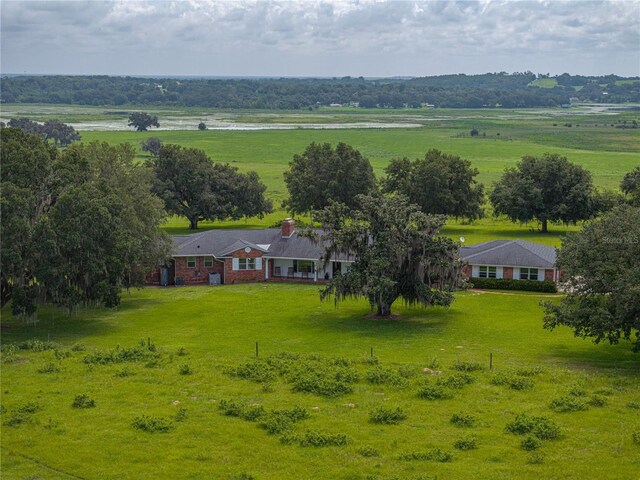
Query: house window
{"type": "Point", "coordinates": [246, 264]}
{"type": "Point", "coordinates": [304, 266]}
{"type": "Point", "coordinates": [487, 272]}
{"type": "Point", "coordinates": [191, 262]}
{"type": "Point", "coordinates": [528, 274]}
{"type": "Point", "coordinates": [208, 261]}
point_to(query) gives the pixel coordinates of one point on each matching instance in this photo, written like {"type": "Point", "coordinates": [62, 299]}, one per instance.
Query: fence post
{"type": "Point", "coordinates": [256, 349]}
{"type": "Point", "coordinates": [491, 361]}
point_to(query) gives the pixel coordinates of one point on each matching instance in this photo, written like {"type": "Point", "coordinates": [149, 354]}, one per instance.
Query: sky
{"type": "Point", "coordinates": [319, 38]}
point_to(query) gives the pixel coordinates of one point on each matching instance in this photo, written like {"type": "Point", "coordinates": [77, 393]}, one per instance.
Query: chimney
{"type": "Point", "coordinates": [288, 227]}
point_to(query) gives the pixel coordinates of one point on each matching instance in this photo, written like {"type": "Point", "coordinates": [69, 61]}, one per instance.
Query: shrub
{"type": "Point", "coordinates": [231, 408]}
{"type": "Point", "coordinates": [78, 347]}
{"type": "Point", "coordinates": [456, 381]}
{"type": "Point", "coordinates": [530, 443]}
{"type": "Point", "coordinates": [383, 375]}
{"type": "Point", "coordinates": [598, 401]}
{"type": "Point", "coordinates": [368, 451]}
{"type": "Point", "coordinates": [636, 437]}
{"type": "Point", "coordinates": [320, 384]}
{"type": "Point", "coordinates": [180, 415]}
{"type": "Point", "coordinates": [604, 391]}
{"type": "Point", "coordinates": [61, 354]}
{"type": "Point", "coordinates": [38, 345]}
{"type": "Point", "coordinates": [29, 408]}
{"type": "Point", "coordinates": [257, 371]}
{"type": "Point", "coordinates": [280, 421]}
{"type": "Point", "coordinates": [181, 352]}
{"type": "Point", "coordinates": [512, 381]}
{"type": "Point", "coordinates": [125, 372]}
{"type": "Point", "coordinates": [634, 405]}
{"type": "Point", "coordinates": [387, 416]}
{"type": "Point", "coordinates": [545, 286]}
{"type": "Point", "coordinates": [49, 368]}
{"type": "Point", "coordinates": [434, 392]}
{"type": "Point", "coordinates": [434, 455]}
{"type": "Point", "coordinates": [577, 391]}
{"type": "Point", "coordinates": [568, 404]}
{"type": "Point", "coordinates": [542, 427]}
{"type": "Point", "coordinates": [83, 401]}
{"type": "Point", "coordinates": [252, 413]}
{"type": "Point", "coordinates": [16, 418]}
{"type": "Point", "coordinates": [466, 443]}
{"type": "Point", "coordinates": [151, 424]}
{"type": "Point", "coordinates": [9, 353]}
{"type": "Point", "coordinates": [185, 369]}
{"type": "Point", "coordinates": [466, 366]}
{"type": "Point", "coordinates": [120, 355]}
{"type": "Point", "coordinates": [463, 420]}
{"type": "Point", "coordinates": [535, 459]}
{"type": "Point", "coordinates": [321, 439]}
{"type": "Point", "coordinates": [528, 371]}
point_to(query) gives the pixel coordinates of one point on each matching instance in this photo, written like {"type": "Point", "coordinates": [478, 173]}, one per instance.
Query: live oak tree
{"type": "Point", "coordinates": [601, 265]}
{"type": "Point", "coordinates": [55, 130]}
{"type": "Point", "coordinates": [142, 121]}
{"type": "Point", "coordinates": [631, 185]}
{"type": "Point", "coordinates": [439, 183]}
{"type": "Point", "coordinates": [194, 187]}
{"type": "Point", "coordinates": [322, 174]}
{"type": "Point", "coordinates": [397, 252]}
{"type": "Point", "coordinates": [78, 225]}
{"type": "Point", "coordinates": [547, 189]}
{"type": "Point", "coordinates": [151, 145]}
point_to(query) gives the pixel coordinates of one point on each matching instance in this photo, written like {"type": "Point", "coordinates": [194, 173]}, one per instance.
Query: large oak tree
{"type": "Point", "coordinates": [439, 183]}
{"type": "Point", "coordinates": [546, 189]}
{"type": "Point", "coordinates": [601, 265]}
{"type": "Point", "coordinates": [322, 174]}
{"type": "Point", "coordinates": [195, 187]}
{"type": "Point", "coordinates": [397, 253]}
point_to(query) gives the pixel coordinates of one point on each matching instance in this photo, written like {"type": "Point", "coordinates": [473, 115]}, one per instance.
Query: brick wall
{"type": "Point", "coordinates": [243, 276]}
{"type": "Point", "coordinates": [198, 275]}
{"type": "Point", "coordinates": [548, 275]}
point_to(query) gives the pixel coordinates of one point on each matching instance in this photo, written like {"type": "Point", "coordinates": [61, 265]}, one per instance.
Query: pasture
{"type": "Point", "coordinates": [198, 404]}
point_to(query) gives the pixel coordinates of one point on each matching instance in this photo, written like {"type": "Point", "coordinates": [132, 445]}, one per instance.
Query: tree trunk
{"type": "Point", "coordinates": [384, 310]}
{"type": "Point", "coordinates": [193, 223]}
{"type": "Point", "coordinates": [544, 225]}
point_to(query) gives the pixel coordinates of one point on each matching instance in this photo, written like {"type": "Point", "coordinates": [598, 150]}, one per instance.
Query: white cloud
{"type": "Point", "coordinates": [320, 37]}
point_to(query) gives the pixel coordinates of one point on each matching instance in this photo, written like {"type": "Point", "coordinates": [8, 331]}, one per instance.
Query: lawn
{"type": "Point", "coordinates": [202, 336]}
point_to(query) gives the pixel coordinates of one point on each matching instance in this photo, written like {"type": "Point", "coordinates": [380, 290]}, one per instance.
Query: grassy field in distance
{"type": "Point", "coordinates": [217, 328]}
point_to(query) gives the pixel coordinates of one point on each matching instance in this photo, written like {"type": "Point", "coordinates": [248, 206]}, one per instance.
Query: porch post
{"type": "Point", "coordinates": [266, 269]}
{"type": "Point", "coordinates": [315, 271]}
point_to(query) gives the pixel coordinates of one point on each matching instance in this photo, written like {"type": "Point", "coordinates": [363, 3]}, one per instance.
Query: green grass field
{"type": "Point", "coordinates": [218, 328]}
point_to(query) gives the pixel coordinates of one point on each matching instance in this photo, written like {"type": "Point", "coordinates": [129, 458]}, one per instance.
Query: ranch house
{"type": "Point", "coordinates": [510, 259]}
{"type": "Point", "coordinates": [238, 256]}
{"type": "Point", "coordinates": [229, 256]}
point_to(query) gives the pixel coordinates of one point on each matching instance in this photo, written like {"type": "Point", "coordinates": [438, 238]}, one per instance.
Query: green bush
{"type": "Point", "coordinates": [257, 371]}
{"type": "Point", "coordinates": [466, 366]}
{"type": "Point", "coordinates": [368, 451]}
{"type": "Point", "coordinates": [387, 416]}
{"type": "Point", "coordinates": [321, 439]}
{"type": "Point", "coordinates": [463, 420]}
{"type": "Point", "coordinates": [83, 401]}
{"type": "Point", "coordinates": [456, 381]}
{"type": "Point", "coordinates": [384, 375]}
{"type": "Point", "coordinates": [434, 392]}
{"type": "Point", "coordinates": [545, 286]}
{"type": "Point", "coordinates": [151, 424]}
{"type": "Point", "coordinates": [185, 370]}
{"type": "Point", "coordinates": [536, 459]}
{"type": "Point", "coordinates": [78, 347]}
{"type": "Point", "coordinates": [320, 383]}
{"type": "Point", "coordinates": [636, 437]}
{"type": "Point", "coordinates": [466, 443]}
{"type": "Point", "coordinates": [433, 455]}
{"type": "Point", "coordinates": [542, 427]}
{"type": "Point", "coordinates": [120, 355]}
{"type": "Point", "coordinates": [180, 415]}
{"type": "Point", "coordinates": [568, 404]}
{"type": "Point", "coordinates": [530, 443]}
{"type": "Point", "coordinates": [634, 405]}
{"type": "Point", "coordinates": [512, 381]}
{"type": "Point", "coordinates": [38, 345]}
{"type": "Point", "coordinates": [49, 368]}
{"type": "Point", "coordinates": [281, 421]}
{"type": "Point", "coordinates": [597, 401]}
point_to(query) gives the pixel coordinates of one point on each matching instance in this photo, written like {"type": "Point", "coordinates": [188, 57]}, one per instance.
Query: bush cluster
{"type": "Point", "coordinates": [433, 455]}
{"type": "Point", "coordinates": [83, 401]}
{"type": "Point", "coordinates": [151, 424]}
{"type": "Point", "coordinates": [570, 403]}
{"type": "Point", "coordinates": [456, 381]}
{"type": "Point", "coordinates": [314, 438]}
{"type": "Point", "coordinates": [466, 443]}
{"type": "Point", "coordinates": [545, 286]}
{"type": "Point", "coordinates": [541, 427]}
{"type": "Point", "coordinates": [434, 392]}
{"type": "Point", "coordinates": [466, 366]}
{"type": "Point", "coordinates": [387, 416]}
{"type": "Point", "coordinates": [463, 420]}
{"type": "Point", "coordinates": [368, 451]}
{"type": "Point", "coordinates": [513, 381]}
{"type": "Point", "coordinates": [120, 355]}
{"type": "Point", "coordinates": [384, 375]}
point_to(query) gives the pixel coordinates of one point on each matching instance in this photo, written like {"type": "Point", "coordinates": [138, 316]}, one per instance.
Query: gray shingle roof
{"type": "Point", "coordinates": [220, 243]}
{"type": "Point", "coordinates": [515, 253]}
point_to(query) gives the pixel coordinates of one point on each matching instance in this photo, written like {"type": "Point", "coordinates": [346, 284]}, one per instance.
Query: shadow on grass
{"type": "Point", "coordinates": [55, 323]}
{"type": "Point", "coordinates": [583, 354]}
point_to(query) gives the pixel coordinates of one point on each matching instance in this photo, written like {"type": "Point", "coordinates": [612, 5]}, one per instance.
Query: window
{"type": "Point", "coordinates": [191, 262]}
{"type": "Point", "coordinates": [246, 264]}
{"type": "Point", "coordinates": [487, 272]}
{"type": "Point", "coordinates": [208, 261]}
{"type": "Point", "coordinates": [304, 266]}
{"type": "Point", "coordinates": [528, 274]}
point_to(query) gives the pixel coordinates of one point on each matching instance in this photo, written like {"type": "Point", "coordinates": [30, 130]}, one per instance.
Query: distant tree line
{"type": "Point", "coordinates": [61, 133]}
{"type": "Point", "coordinates": [489, 90]}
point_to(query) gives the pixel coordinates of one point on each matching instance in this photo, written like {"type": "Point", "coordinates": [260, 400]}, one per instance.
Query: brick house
{"type": "Point", "coordinates": [510, 259]}
{"type": "Point", "coordinates": [240, 256]}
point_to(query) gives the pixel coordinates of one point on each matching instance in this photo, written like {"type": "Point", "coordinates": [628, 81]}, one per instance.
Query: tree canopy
{"type": "Point", "coordinates": [397, 253]}
{"type": "Point", "coordinates": [194, 187]}
{"type": "Point", "coordinates": [439, 183]}
{"type": "Point", "coordinates": [322, 175]}
{"type": "Point", "coordinates": [547, 189]}
{"type": "Point", "coordinates": [601, 265]}
{"type": "Point", "coordinates": [55, 130]}
{"type": "Point", "coordinates": [631, 185]}
{"type": "Point", "coordinates": [142, 121]}
{"type": "Point", "coordinates": [78, 225]}
{"type": "Point", "coordinates": [151, 145]}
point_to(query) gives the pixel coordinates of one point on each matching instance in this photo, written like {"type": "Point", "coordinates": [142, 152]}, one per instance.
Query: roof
{"type": "Point", "coordinates": [514, 253]}
{"type": "Point", "coordinates": [221, 243]}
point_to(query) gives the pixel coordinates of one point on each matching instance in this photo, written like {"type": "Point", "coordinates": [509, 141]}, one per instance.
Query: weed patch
{"type": "Point", "coordinates": [541, 427]}
{"type": "Point", "coordinates": [530, 443]}
{"type": "Point", "coordinates": [151, 424]}
{"type": "Point", "coordinates": [313, 438]}
{"type": "Point", "coordinates": [512, 381]}
{"type": "Point", "coordinates": [466, 366]}
{"type": "Point", "coordinates": [466, 443]}
{"type": "Point", "coordinates": [368, 452]}
{"type": "Point", "coordinates": [433, 455]}
{"type": "Point", "coordinates": [387, 416]}
{"type": "Point", "coordinates": [49, 368]}
{"type": "Point", "coordinates": [568, 404]}
{"type": "Point", "coordinates": [434, 392]}
{"type": "Point", "coordinates": [456, 381]}
{"type": "Point", "coordinates": [462, 420]}
{"type": "Point", "coordinates": [120, 355]}
{"type": "Point", "coordinates": [83, 401]}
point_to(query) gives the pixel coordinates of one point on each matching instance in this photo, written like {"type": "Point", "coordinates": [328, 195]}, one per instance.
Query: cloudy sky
{"type": "Point", "coordinates": [320, 38]}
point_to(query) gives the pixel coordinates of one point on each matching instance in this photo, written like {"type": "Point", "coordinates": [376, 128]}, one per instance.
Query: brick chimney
{"type": "Point", "coordinates": [288, 227]}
